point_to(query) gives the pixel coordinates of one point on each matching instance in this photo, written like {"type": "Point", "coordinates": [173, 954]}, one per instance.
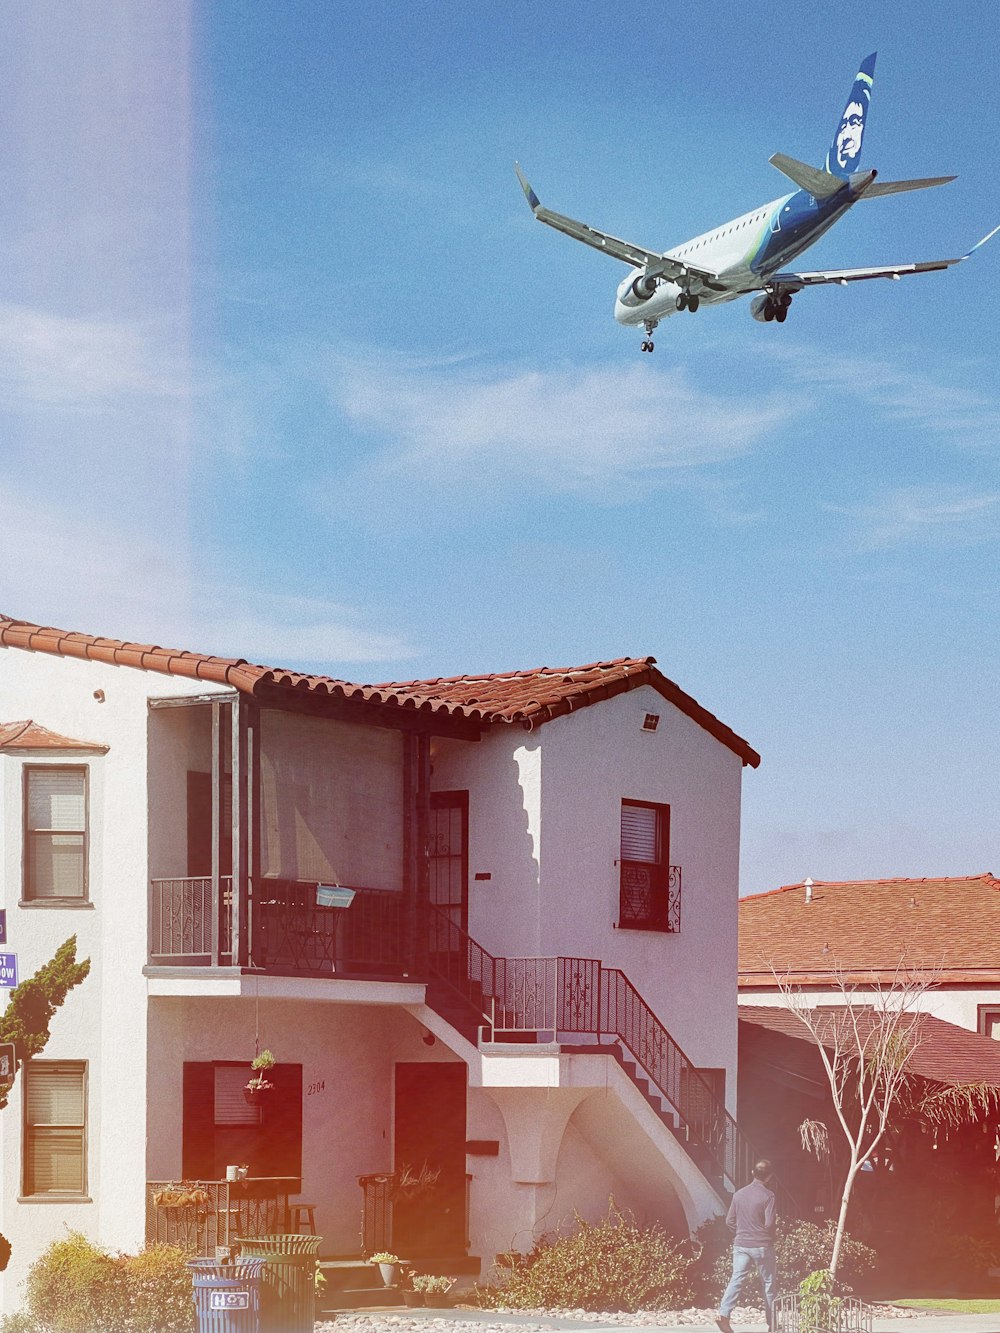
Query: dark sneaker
{"type": "Point", "coordinates": [722, 1321]}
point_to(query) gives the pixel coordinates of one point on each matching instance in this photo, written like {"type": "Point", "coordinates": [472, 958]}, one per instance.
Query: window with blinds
{"type": "Point", "coordinates": [55, 1128]}
{"type": "Point", "coordinates": [644, 869]}
{"type": "Point", "coordinates": [231, 1107]}
{"type": "Point", "coordinates": [55, 833]}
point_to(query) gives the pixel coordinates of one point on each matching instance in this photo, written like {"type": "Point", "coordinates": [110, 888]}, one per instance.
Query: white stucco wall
{"type": "Point", "coordinates": [958, 1004]}
{"type": "Point", "coordinates": [545, 823]}
{"type": "Point", "coordinates": [103, 1021]}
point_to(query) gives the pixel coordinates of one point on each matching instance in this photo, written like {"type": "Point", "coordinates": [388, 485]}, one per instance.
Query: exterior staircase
{"type": "Point", "coordinates": [587, 1009]}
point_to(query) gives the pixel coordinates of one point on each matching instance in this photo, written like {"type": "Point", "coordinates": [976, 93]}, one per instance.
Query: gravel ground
{"type": "Point", "coordinates": [543, 1321]}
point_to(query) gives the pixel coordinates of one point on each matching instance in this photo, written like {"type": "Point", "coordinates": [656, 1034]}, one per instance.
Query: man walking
{"type": "Point", "coordinates": [751, 1217]}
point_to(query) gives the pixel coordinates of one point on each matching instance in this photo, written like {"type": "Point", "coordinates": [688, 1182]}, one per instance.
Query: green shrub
{"type": "Point", "coordinates": [801, 1248]}
{"type": "Point", "coordinates": [158, 1291]}
{"type": "Point", "coordinates": [608, 1265]}
{"type": "Point", "coordinates": [76, 1286]}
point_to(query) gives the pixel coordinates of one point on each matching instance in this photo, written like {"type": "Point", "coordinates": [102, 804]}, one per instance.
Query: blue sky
{"type": "Point", "coordinates": [288, 371]}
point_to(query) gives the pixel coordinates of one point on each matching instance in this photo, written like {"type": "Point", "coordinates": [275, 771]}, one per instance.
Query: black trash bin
{"type": "Point", "coordinates": [287, 1280]}
{"type": "Point", "coordinates": [226, 1296]}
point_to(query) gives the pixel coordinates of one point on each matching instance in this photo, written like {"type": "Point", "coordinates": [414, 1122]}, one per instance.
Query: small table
{"type": "Point", "coordinates": [255, 1206]}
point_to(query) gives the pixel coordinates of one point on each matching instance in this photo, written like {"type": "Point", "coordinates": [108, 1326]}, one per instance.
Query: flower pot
{"type": "Point", "coordinates": [255, 1096]}
{"type": "Point", "coordinates": [388, 1272]}
{"type": "Point", "coordinates": [413, 1298]}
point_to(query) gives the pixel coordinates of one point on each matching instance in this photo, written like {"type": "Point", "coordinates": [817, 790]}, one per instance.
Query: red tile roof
{"type": "Point", "coordinates": [950, 926]}
{"type": "Point", "coordinates": [945, 1053]}
{"type": "Point", "coordinates": [31, 736]}
{"type": "Point", "coordinates": [525, 698]}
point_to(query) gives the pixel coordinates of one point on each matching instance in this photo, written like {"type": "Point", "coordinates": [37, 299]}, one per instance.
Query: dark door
{"type": "Point", "coordinates": [428, 1216]}
{"type": "Point", "coordinates": [449, 867]}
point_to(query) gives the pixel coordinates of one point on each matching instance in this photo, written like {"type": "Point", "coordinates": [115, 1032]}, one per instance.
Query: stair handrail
{"type": "Point", "coordinates": [621, 1013]}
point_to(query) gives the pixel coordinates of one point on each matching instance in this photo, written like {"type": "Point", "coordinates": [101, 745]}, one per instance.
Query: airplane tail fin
{"type": "Point", "coordinates": [844, 156]}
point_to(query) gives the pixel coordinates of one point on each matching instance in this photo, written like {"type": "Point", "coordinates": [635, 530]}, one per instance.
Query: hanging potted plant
{"type": "Point", "coordinates": [259, 1084]}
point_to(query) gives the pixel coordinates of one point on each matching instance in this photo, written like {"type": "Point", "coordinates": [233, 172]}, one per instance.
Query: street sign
{"type": "Point", "coordinates": [3, 925]}
{"type": "Point", "coordinates": [7, 1062]}
{"type": "Point", "coordinates": [8, 969]}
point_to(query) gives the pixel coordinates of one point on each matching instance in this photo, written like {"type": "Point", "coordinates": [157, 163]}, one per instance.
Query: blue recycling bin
{"type": "Point", "coordinates": [226, 1296]}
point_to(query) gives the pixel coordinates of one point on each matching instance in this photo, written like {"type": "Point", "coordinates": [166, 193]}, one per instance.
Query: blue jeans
{"type": "Point", "coordinates": [743, 1258]}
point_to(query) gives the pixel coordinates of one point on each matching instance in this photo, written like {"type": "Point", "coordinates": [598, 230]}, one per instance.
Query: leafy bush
{"type": "Point", "coordinates": [609, 1265]}
{"type": "Point", "coordinates": [801, 1248]}
{"type": "Point", "coordinates": [158, 1291]}
{"type": "Point", "coordinates": [76, 1286]}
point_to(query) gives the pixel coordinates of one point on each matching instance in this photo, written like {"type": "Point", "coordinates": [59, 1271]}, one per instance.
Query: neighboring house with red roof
{"type": "Point", "coordinates": [487, 925]}
{"type": "Point", "coordinates": [948, 928]}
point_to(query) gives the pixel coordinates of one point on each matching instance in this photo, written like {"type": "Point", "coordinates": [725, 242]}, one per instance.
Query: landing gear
{"type": "Point", "coordinates": [682, 301]}
{"type": "Point", "coordinates": [776, 307]}
{"type": "Point", "coordinates": [693, 303]}
{"type": "Point", "coordinates": [649, 326]}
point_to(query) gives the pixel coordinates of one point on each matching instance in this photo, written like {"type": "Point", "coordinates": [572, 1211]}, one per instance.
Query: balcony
{"type": "Point", "coordinates": [191, 925]}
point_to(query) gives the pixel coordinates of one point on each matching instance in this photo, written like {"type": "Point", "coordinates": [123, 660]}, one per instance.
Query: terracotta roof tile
{"type": "Point", "coordinates": [945, 1053]}
{"type": "Point", "coordinates": [526, 698]}
{"type": "Point", "coordinates": [946, 925]}
{"type": "Point", "coordinates": [31, 736]}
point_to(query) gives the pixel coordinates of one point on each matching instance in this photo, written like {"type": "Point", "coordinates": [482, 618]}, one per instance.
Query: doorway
{"type": "Point", "coordinates": [428, 1215]}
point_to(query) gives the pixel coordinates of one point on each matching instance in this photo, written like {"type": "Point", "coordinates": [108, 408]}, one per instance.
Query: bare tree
{"type": "Point", "coordinates": [866, 1040]}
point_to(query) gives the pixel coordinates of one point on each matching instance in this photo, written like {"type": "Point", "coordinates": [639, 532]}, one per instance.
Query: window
{"type": "Point", "coordinates": [989, 1021]}
{"type": "Point", "coordinates": [55, 834]}
{"type": "Point", "coordinates": [649, 896]}
{"type": "Point", "coordinates": [55, 1125]}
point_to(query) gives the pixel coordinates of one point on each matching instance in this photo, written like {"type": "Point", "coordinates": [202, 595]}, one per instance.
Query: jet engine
{"type": "Point", "coordinates": [638, 290]}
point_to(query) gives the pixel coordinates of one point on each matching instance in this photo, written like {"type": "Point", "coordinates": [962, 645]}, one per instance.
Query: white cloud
{"type": "Point", "coordinates": [918, 398]}
{"type": "Point", "coordinates": [72, 573]}
{"type": "Point", "coordinates": [566, 429]}
{"type": "Point", "coordinates": [61, 360]}
{"type": "Point", "coordinates": [945, 513]}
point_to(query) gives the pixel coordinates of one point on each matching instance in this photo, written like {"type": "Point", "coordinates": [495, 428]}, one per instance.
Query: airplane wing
{"type": "Point", "coordinates": [794, 282]}
{"type": "Point", "coordinates": [656, 265]}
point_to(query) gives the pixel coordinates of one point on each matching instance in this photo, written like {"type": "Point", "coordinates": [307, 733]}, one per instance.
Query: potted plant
{"type": "Point", "coordinates": [433, 1287]}
{"type": "Point", "coordinates": [411, 1296]}
{"type": "Point", "coordinates": [387, 1264]}
{"type": "Point", "coordinates": [186, 1194]}
{"type": "Point", "coordinates": [259, 1083]}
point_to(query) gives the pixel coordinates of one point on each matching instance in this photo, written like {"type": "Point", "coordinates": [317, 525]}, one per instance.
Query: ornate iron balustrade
{"type": "Point", "coordinates": [200, 1215]}
{"type": "Point", "coordinates": [845, 1314]}
{"type": "Point", "coordinates": [649, 900]}
{"type": "Point", "coordinates": [558, 997]}
{"type": "Point", "coordinates": [376, 1215]}
{"type": "Point", "coordinates": [180, 920]}
{"type": "Point", "coordinates": [288, 930]}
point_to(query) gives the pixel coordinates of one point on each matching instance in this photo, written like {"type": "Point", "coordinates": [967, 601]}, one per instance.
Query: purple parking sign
{"type": "Point", "coordinates": [8, 969]}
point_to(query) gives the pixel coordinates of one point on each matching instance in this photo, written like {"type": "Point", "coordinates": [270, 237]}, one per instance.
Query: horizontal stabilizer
{"type": "Point", "coordinates": [820, 184]}
{"type": "Point", "coordinates": [898, 187]}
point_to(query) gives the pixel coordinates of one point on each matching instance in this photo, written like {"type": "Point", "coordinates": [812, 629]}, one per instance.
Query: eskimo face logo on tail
{"type": "Point", "coordinates": [845, 152]}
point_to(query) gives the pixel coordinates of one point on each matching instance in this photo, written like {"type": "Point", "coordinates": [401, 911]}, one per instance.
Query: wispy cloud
{"type": "Point", "coordinates": [921, 398]}
{"type": "Point", "coordinates": [53, 359]}
{"type": "Point", "coordinates": [64, 570]}
{"type": "Point", "coordinates": [572, 428]}
{"type": "Point", "coordinates": [942, 513]}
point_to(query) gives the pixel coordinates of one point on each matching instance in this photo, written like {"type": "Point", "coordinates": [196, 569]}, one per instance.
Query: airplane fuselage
{"type": "Point", "coordinates": [742, 253]}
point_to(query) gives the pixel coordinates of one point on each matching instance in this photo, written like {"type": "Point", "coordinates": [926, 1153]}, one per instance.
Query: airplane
{"type": "Point", "coordinates": [747, 254]}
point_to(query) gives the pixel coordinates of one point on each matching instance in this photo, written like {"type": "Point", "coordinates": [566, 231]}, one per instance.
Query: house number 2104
{"type": "Point", "coordinates": [319, 1086]}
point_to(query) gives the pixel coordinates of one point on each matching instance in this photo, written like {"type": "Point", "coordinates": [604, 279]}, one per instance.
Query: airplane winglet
{"type": "Point", "coordinates": [534, 203]}
{"type": "Point", "coordinates": [989, 235]}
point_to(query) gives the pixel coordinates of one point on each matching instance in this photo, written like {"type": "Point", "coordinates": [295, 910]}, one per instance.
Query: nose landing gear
{"type": "Point", "coordinates": [649, 326]}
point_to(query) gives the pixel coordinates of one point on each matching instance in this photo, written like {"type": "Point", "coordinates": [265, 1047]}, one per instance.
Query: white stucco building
{"type": "Point", "coordinates": [530, 1001]}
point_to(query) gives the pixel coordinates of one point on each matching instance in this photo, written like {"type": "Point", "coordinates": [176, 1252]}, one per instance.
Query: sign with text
{"type": "Point", "coordinates": [8, 969]}
{"type": "Point", "coordinates": [3, 925]}
{"type": "Point", "coordinates": [8, 1062]}
{"type": "Point", "coordinates": [229, 1300]}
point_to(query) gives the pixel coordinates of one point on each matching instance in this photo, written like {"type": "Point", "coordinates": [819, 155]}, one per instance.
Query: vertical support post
{"type": "Point", "coordinates": [218, 776]}
{"type": "Point", "coordinates": [423, 850]}
{"type": "Point", "coordinates": [408, 913]}
{"type": "Point", "coordinates": [255, 829]}
{"type": "Point", "coordinates": [241, 868]}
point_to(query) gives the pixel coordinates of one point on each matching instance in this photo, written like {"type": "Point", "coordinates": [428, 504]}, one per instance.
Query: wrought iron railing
{"type": "Point", "coordinates": [200, 1215]}
{"type": "Point", "coordinates": [288, 929]}
{"type": "Point", "coordinates": [842, 1314]}
{"type": "Point", "coordinates": [378, 1194]}
{"type": "Point", "coordinates": [559, 997]}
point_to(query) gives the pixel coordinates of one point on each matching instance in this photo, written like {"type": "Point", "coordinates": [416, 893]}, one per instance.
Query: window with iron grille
{"type": "Point", "coordinates": [649, 888]}
{"type": "Point", "coordinates": [55, 833]}
{"type": "Point", "coordinates": [55, 1128]}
